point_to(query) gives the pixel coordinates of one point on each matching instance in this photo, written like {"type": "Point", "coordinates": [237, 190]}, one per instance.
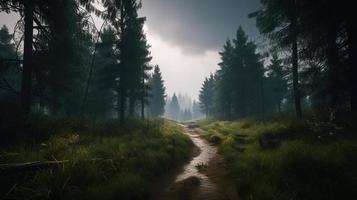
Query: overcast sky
{"type": "Point", "coordinates": [186, 36]}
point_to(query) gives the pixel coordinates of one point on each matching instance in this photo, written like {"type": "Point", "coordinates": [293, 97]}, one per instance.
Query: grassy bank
{"type": "Point", "coordinates": [106, 160]}
{"type": "Point", "coordinates": [306, 160]}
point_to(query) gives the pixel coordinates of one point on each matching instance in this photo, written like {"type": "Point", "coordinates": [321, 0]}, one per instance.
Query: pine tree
{"type": "Point", "coordinates": [101, 94]}
{"type": "Point", "coordinates": [157, 93]}
{"type": "Point", "coordinates": [134, 57]}
{"type": "Point", "coordinates": [276, 82]}
{"type": "Point", "coordinates": [239, 81]}
{"type": "Point", "coordinates": [206, 96]}
{"type": "Point", "coordinates": [9, 73]}
{"type": "Point", "coordinates": [224, 79]}
{"type": "Point", "coordinates": [248, 71]}
{"type": "Point", "coordinates": [174, 108]}
{"type": "Point", "coordinates": [37, 12]}
{"type": "Point", "coordinates": [279, 20]}
{"type": "Point", "coordinates": [58, 27]}
{"type": "Point", "coordinates": [7, 50]}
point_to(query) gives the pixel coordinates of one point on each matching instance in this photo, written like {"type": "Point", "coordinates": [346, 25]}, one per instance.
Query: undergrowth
{"type": "Point", "coordinates": [106, 160]}
{"type": "Point", "coordinates": [314, 159]}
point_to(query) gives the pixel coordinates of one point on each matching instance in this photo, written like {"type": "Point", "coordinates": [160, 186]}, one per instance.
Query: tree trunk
{"type": "Point", "coordinates": [295, 65]}
{"type": "Point", "coordinates": [28, 62]}
{"type": "Point", "coordinates": [279, 107]}
{"type": "Point", "coordinates": [296, 80]}
{"type": "Point", "coordinates": [55, 105]}
{"type": "Point", "coordinates": [142, 108]}
{"type": "Point", "coordinates": [352, 44]}
{"type": "Point", "coordinates": [121, 99]}
{"type": "Point", "coordinates": [262, 94]}
{"type": "Point", "coordinates": [332, 62]}
{"type": "Point", "coordinates": [122, 80]}
{"type": "Point", "coordinates": [143, 94]}
{"type": "Point", "coordinates": [243, 99]}
{"type": "Point", "coordinates": [132, 100]}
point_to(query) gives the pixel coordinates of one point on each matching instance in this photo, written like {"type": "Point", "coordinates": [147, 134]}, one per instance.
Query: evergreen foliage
{"type": "Point", "coordinates": [157, 94]}
{"type": "Point", "coordinates": [173, 109]}
{"type": "Point", "coordinates": [70, 68]}
{"type": "Point", "coordinates": [237, 89]}
{"type": "Point", "coordinates": [206, 96]}
{"type": "Point", "coordinates": [320, 37]}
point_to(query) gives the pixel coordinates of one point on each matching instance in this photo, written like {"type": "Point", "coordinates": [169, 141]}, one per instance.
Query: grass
{"type": "Point", "coordinates": [107, 160]}
{"type": "Point", "coordinates": [314, 160]}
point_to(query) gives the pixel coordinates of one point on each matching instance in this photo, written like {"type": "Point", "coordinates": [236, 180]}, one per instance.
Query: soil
{"type": "Point", "coordinates": [203, 178]}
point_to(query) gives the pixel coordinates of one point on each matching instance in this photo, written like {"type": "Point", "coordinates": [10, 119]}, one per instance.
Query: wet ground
{"type": "Point", "coordinates": [204, 177]}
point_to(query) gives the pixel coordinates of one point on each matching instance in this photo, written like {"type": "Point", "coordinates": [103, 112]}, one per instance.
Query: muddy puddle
{"type": "Point", "coordinates": [198, 165]}
{"type": "Point", "coordinates": [203, 178]}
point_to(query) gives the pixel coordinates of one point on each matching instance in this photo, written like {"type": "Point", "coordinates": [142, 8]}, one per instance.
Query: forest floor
{"type": "Point", "coordinates": [204, 177]}
{"type": "Point", "coordinates": [286, 159]}
{"type": "Point", "coordinates": [88, 159]}
{"type": "Point", "coordinates": [213, 160]}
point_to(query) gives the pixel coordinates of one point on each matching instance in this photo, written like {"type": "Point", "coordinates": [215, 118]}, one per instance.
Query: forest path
{"type": "Point", "coordinates": [204, 177]}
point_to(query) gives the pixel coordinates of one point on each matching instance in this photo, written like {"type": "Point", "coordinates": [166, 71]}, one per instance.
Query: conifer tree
{"type": "Point", "coordinates": [157, 93]}
{"type": "Point", "coordinates": [206, 96]}
{"type": "Point", "coordinates": [36, 12]}
{"type": "Point", "coordinates": [276, 87]}
{"type": "Point", "coordinates": [173, 110]}
{"type": "Point", "coordinates": [101, 94]}
{"type": "Point", "coordinates": [239, 80]}
{"type": "Point", "coordinates": [134, 56]}
{"type": "Point", "coordinates": [9, 73]}
{"type": "Point", "coordinates": [279, 20]}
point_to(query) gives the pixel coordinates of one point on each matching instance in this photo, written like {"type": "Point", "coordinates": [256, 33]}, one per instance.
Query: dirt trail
{"type": "Point", "coordinates": [204, 177]}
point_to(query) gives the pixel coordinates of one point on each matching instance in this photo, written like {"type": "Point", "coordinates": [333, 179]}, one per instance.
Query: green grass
{"type": "Point", "coordinates": [107, 160]}
{"type": "Point", "coordinates": [313, 160]}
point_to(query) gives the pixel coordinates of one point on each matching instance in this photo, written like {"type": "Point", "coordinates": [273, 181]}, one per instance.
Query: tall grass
{"type": "Point", "coordinates": [106, 160]}
{"type": "Point", "coordinates": [313, 161]}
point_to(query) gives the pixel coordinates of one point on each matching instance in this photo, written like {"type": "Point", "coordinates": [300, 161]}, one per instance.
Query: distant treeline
{"type": "Point", "coordinates": [70, 68]}
{"type": "Point", "coordinates": [182, 108]}
{"type": "Point", "coordinates": [308, 60]}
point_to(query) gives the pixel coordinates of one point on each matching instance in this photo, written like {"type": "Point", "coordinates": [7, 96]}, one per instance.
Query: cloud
{"type": "Point", "coordinates": [9, 20]}
{"type": "Point", "coordinates": [181, 72]}
{"type": "Point", "coordinates": [197, 26]}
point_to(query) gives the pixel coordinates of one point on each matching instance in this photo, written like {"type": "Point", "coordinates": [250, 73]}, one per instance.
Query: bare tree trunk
{"type": "Point", "coordinates": [143, 94]}
{"type": "Point", "coordinates": [131, 104]}
{"type": "Point", "coordinates": [122, 105]}
{"type": "Point", "coordinates": [55, 105]}
{"type": "Point", "coordinates": [28, 62]}
{"type": "Point", "coordinates": [332, 60]}
{"type": "Point", "coordinates": [295, 63]}
{"type": "Point", "coordinates": [262, 95]}
{"type": "Point", "coordinates": [279, 107]}
{"type": "Point", "coordinates": [91, 69]}
{"type": "Point", "coordinates": [122, 79]}
{"type": "Point", "coordinates": [296, 80]}
{"type": "Point", "coordinates": [352, 43]}
{"type": "Point", "coordinates": [142, 107]}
